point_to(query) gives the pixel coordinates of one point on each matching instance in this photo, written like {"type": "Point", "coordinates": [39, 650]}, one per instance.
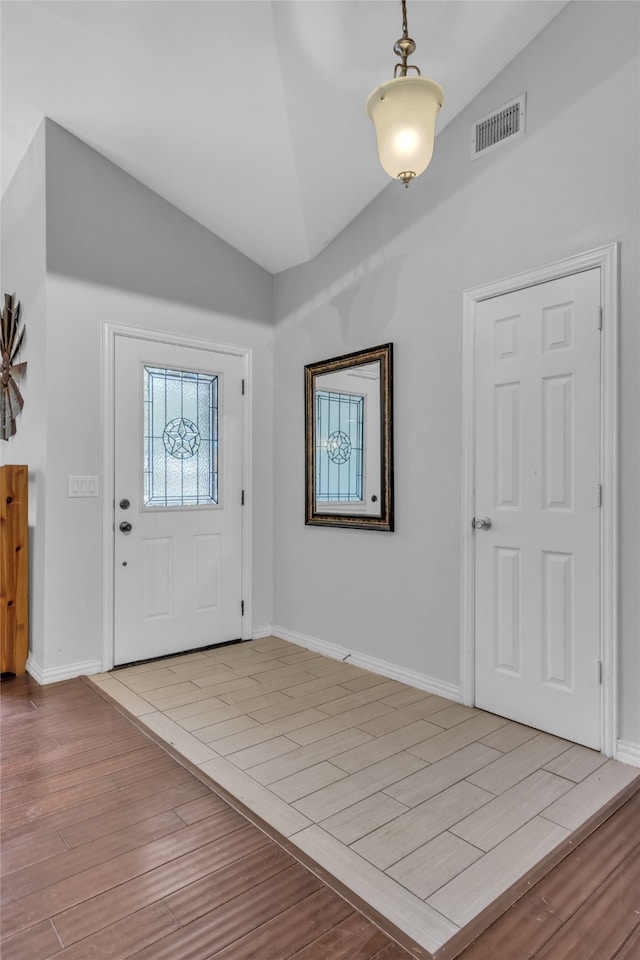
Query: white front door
{"type": "Point", "coordinates": [178, 496]}
{"type": "Point", "coordinates": [537, 475]}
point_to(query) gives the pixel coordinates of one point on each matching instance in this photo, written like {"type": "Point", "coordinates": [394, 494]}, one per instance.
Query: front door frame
{"type": "Point", "coordinates": [606, 258]}
{"type": "Point", "coordinates": [110, 332]}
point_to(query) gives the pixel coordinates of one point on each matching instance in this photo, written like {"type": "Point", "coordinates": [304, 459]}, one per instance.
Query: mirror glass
{"type": "Point", "coordinates": [348, 440]}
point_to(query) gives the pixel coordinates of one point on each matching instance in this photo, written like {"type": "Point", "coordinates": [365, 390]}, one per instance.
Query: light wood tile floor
{"type": "Point", "coordinates": [427, 810]}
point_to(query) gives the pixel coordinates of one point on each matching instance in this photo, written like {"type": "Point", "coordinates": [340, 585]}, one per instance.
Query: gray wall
{"type": "Point", "coordinates": [23, 272]}
{"type": "Point", "coordinates": [117, 252]}
{"type": "Point", "coordinates": [398, 273]}
{"type": "Point", "coordinates": [105, 227]}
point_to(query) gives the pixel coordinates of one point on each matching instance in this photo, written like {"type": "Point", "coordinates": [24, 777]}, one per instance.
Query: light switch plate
{"type": "Point", "coordinates": [83, 486]}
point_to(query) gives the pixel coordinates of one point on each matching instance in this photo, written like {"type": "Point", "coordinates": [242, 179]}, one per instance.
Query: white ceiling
{"type": "Point", "coordinates": [246, 114]}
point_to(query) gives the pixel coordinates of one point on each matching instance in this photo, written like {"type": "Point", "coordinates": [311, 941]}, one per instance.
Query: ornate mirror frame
{"type": "Point", "coordinates": [369, 505]}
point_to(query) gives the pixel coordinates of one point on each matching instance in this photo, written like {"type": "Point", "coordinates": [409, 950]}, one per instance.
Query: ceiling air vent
{"type": "Point", "coordinates": [503, 124]}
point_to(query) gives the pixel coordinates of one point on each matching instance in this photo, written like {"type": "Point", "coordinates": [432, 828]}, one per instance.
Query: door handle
{"type": "Point", "coordinates": [125, 527]}
{"type": "Point", "coordinates": [481, 523]}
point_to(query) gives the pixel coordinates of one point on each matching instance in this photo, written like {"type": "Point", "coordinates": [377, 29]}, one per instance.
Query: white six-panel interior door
{"type": "Point", "coordinates": [177, 563]}
{"type": "Point", "coordinates": [537, 506]}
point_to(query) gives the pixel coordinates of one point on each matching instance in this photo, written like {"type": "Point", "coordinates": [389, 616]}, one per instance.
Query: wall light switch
{"type": "Point", "coordinates": [83, 486]}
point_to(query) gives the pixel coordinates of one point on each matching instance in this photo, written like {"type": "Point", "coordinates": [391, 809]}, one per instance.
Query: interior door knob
{"type": "Point", "coordinates": [125, 527]}
{"type": "Point", "coordinates": [482, 523]}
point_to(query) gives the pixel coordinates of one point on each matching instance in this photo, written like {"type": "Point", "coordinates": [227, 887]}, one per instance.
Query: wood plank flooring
{"type": "Point", "coordinates": [586, 908]}
{"type": "Point", "coordinates": [112, 849]}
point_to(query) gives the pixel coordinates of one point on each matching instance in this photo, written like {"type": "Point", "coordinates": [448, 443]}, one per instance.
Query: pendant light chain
{"type": "Point", "coordinates": [404, 47]}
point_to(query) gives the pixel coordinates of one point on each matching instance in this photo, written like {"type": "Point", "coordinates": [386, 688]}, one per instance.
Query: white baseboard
{"type": "Point", "coordinates": [54, 675]}
{"type": "Point", "coordinates": [628, 752]}
{"type": "Point", "coordinates": [440, 687]}
{"type": "Point", "coordinates": [260, 632]}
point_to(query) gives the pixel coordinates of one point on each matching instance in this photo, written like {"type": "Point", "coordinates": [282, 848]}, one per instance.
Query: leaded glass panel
{"type": "Point", "coordinates": [180, 438]}
{"type": "Point", "coordinates": [339, 446]}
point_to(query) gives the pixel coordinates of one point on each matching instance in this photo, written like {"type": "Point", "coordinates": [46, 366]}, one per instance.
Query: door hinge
{"type": "Point", "coordinates": [599, 494]}
{"type": "Point", "coordinates": [243, 388]}
{"type": "Point", "coordinates": [600, 318]}
{"type": "Point", "coordinates": [242, 608]}
{"type": "Point", "coordinates": [599, 671]}
{"type": "Point", "coordinates": [242, 499]}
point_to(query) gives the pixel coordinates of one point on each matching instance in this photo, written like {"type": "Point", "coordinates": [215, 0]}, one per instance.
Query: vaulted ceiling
{"type": "Point", "coordinates": [248, 115]}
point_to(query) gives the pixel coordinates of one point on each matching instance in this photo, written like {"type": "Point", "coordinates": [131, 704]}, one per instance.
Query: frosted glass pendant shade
{"type": "Point", "coordinates": [404, 112]}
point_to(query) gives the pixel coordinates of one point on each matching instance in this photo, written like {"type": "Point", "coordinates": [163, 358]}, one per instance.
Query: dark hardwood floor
{"type": "Point", "coordinates": [111, 849]}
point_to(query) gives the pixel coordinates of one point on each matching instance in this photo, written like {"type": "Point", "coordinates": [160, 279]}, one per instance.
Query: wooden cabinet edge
{"type": "Point", "coordinates": [14, 568]}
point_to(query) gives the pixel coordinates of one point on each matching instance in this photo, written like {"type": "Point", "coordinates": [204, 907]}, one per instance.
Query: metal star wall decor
{"type": "Point", "coordinates": [11, 402]}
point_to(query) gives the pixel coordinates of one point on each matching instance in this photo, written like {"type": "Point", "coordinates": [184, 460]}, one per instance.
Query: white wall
{"type": "Point", "coordinates": [23, 273]}
{"type": "Point", "coordinates": [117, 252]}
{"type": "Point", "coordinates": [398, 273]}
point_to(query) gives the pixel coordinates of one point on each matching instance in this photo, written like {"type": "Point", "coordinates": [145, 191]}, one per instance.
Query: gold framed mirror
{"type": "Point", "coordinates": [348, 439]}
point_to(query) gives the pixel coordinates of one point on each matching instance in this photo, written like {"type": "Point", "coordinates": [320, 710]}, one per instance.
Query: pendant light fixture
{"type": "Point", "coordinates": [404, 112]}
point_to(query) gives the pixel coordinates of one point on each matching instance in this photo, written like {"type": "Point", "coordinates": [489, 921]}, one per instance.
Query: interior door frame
{"type": "Point", "coordinates": [606, 258]}
{"type": "Point", "coordinates": [109, 334]}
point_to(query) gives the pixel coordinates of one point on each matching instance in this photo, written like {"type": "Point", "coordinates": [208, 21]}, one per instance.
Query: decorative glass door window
{"type": "Point", "coordinates": [180, 438]}
{"type": "Point", "coordinates": [339, 447]}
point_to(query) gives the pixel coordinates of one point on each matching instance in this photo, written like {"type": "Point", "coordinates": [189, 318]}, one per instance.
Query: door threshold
{"type": "Point", "coordinates": [179, 653]}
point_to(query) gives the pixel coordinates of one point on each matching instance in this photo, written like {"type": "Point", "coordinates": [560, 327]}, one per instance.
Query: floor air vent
{"type": "Point", "coordinates": [503, 124]}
